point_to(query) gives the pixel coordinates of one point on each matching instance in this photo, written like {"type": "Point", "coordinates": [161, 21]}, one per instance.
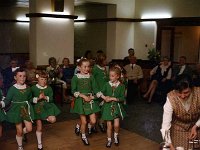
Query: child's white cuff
{"type": "Point", "coordinates": [35, 100]}
{"type": "Point", "coordinates": [76, 94]}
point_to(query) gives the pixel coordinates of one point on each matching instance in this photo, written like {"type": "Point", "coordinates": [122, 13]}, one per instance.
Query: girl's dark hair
{"type": "Point", "coordinates": [100, 58]}
{"type": "Point", "coordinates": [82, 60]}
{"type": "Point", "coordinates": [86, 53]}
{"type": "Point", "coordinates": [43, 74]}
{"type": "Point", "coordinates": [183, 82]}
{"type": "Point", "coordinates": [52, 58]}
{"type": "Point", "coordinates": [19, 70]}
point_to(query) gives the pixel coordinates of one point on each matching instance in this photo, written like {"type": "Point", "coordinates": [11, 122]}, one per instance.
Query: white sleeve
{"type": "Point", "coordinates": [35, 100]}
{"type": "Point", "coordinates": [153, 71]}
{"type": "Point", "coordinates": [198, 123]}
{"type": "Point", "coordinates": [166, 123]}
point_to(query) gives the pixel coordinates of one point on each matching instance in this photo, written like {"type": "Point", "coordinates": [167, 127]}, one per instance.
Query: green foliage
{"type": "Point", "coordinates": [153, 54]}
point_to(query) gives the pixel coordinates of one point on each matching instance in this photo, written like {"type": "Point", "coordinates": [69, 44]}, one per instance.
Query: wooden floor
{"type": "Point", "coordinates": [60, 136]}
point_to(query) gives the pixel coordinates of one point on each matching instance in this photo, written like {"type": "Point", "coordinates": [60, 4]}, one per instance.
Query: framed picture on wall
{"type": "Point", "coordinates": [57, 5]}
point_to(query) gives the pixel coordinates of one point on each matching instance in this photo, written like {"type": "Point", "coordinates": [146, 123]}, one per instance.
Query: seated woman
{"type": "Point", "coordinates": [181, 116]}
{"type": "Point", "coordinates": [30, 72]}
{"type": "Point", "coordinates": [160, 75]}
{"type": "Point", "coordinates": [67, 71]}
{"type": "Point", "coordinates": [55, 74]}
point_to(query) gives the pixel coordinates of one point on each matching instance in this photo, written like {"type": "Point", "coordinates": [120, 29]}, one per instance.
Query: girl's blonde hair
{"type": "Point", "coordinates": [117, 70]}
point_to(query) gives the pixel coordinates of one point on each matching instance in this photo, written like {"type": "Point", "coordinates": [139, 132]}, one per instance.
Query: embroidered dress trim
{"type": "Point", "coordinates": [83, 75]}
{"type": "Point", "coordinates": [20, 87]}
{"type": "Point", "coordinates": [114, 84]}
{"type": "Point", "coordinates": [102, 68]}
{"type": "Point", "coordinates": [41, 87]}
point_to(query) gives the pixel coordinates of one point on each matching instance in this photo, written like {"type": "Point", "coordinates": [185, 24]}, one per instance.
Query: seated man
{"type": "Point", "coordinates": [8, 75]}
{"type": "Point", "coordinates": [181, 68]}
{"type": "Point", "coordinates": [134, 75]}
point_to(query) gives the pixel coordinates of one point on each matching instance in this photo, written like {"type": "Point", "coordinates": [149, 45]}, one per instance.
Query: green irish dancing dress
{"type": "Point", "coordinates": [43, 108]}
{"type": "Point", "coordinates": [20, 97]}
{"type": "Point", "coordinates": [100, 75]}
{"type": "Point", "coordinates": [84, 84]}
{"type": "Point", "coordinates": [113, 110]}
{"type": "Point", "coordinates": [2, 114]}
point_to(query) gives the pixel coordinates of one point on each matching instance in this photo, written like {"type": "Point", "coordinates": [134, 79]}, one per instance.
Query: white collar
{"type": "Point", "coordinates": [114, 84]}
{"type": "Point", "coordinates": [83, 75]}
{"type": "Point", "coordinates": [21, 87]}
{"type": "Point", "coordinates": [132, 65]}
{"type": "Point", "coordinates": [41, 87]}
{"type": "Point", "coordinates": [102, 68]}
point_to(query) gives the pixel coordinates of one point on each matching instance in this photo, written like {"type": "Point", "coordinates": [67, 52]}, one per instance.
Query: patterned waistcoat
{"type": "Point", "coordinates": [183, 120]}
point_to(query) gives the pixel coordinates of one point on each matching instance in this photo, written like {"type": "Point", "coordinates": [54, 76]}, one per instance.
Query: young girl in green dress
{"type": "Point", "coordinates": [99, 71]}
{"type": "Point", "coordinates": [112, 109]}
{"type": "Point", "coordinates": [84, 87]}
{"type": "Point", "coordinates": [44, 108]}
{"type": "Point", "coordinates": [2, 114]}
{"type": "Point", "coordinates": [21, 111]}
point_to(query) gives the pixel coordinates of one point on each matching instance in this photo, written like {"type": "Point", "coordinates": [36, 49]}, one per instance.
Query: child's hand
{"type": "Point", "coordinates": [87, 99]}
{"type": "Point", "coordinates": [41, 96]}
{"type": "Point", "coordinates": [92, 97]}
{"type": "Point", "coordinates": [107, 99]}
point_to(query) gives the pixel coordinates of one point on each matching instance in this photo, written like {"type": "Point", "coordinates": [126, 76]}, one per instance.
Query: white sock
{"type": "Point", "coordinates": [115, 135]}
{"type": "Point", "coordinates": [39, 138]}
{"type": "Point", "coordinates": [19, 140]}
{"type": "Point", "coordinates": [77, 126]}
{"type": "Point", "coordinates": [109, 139]}
{"type": "Point", "coordinates": [24, 130]}
{"type": "Point", "coordinates": [83, 135]}
{"type": "Point", "coordinates": [89, 126]}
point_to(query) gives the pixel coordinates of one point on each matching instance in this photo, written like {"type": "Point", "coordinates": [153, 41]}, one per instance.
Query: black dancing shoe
{"type": "Point", "coordinates": [102, 127]}
{"type": "Point", "coordinates": [116, 141]}
{"type": "Point", "coordinates": [85, 141]}
{"type": "Point", "coordinates": [40, 148]}
{"type": "Point", "coordinates": [77, 131]}
{"type": "Point", "coordinates": [108, 144]}
{"type": "Point", "coordinates": [94, 130]}
{"type": "Point", "coordinates": [24, 139]}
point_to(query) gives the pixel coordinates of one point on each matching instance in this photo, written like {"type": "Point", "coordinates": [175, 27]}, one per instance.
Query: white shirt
{"type": "Point", "coordinates": [181, 70]}
{"type": "Point", "coordinates": [167, 118]}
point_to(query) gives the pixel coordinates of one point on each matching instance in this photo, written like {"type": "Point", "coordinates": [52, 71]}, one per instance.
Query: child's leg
{"type": "Point", "coordinates": [0, 129]}
{"type": "Point", "coordinates": [116, 130]}
{"type": "Point", "coordinates": [109, 133]}
{"type": "Point", "coordinates": [83, 123]}
{"type": "Point", "coordinates": [83, 127]}
{"type": "Point", "coordinates": [109, 129]}
{"type": "Point", "coordinates": [19, 134]}
{"type": "Point", "coordinates": [39, 133]}
{"type": "Point", "coordinates": [92, 122]}
{"type": "Point", "coordinates": [28, 127]}
{"type": "Point", "coordinates": [51, 119]}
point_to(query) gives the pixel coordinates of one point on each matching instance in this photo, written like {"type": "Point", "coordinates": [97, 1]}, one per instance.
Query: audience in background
{"type": "Point", "coordinates": [160, 76]}
{"type": "Point", "coordinates": [131, 52]}
{"type": "Point", "coordinates": [89, 56]}
{"type": "Point", "coordinates": [67, 71]}
{"type": "Point", "coordinates": [134, 74]}
{"type": "Point", "coordinates": [30, 72]}
{"type": "Point", "coordinates": [8, 75]}
{"type": "Point", "coordinates": [181, 68]}
{"type": "Point", "coordinates": [55, 74]}
{"type": "Point", "coordinates": [196, 75]}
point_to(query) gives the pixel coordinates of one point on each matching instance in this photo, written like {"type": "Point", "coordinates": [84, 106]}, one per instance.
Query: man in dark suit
{"type": "Point", "coordinates": [181, 68]}
{"type": "Point", "coordinates": [131, 52]}
{"type": "Point", "coordinates": [8, 75]}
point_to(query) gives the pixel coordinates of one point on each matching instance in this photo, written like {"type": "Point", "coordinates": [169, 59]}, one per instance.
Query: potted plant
{"type": "Point", "coordinates": [153, 54]}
